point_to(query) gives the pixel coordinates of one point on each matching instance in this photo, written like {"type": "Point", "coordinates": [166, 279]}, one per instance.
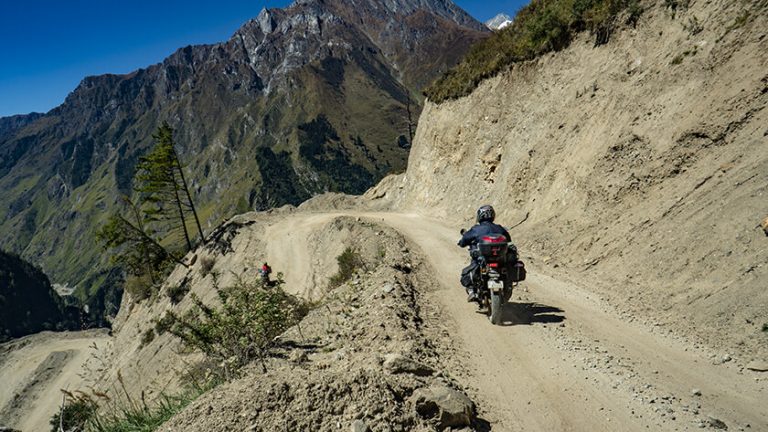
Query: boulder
{"type": "Point", "coordinates": [716, 423]}
{"type": "Point", "coordinates": [360, 426]}
{"type": "Point", "coordinates": [397, 363]}
{"type": "Point", "coordinates": [758, 366]}
{"type": "Point", "coordinates": [447, 407]}
{"type": "Point", "coordinates": [764, 225]}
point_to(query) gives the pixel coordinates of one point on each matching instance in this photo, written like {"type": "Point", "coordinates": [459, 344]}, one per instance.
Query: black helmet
{"type": "Point", "coordinates": [486, 213]}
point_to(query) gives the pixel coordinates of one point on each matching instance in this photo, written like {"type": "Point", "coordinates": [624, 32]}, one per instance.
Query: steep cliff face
{"type": "Point", "coordinates": [639, 166]}
{"type": "Point", "coordinates": [318, 96]}
{"type": "Point", "coordinates": [28, 303]}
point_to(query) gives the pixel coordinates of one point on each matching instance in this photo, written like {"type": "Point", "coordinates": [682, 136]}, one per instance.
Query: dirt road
{"type": "Point", "coordinates": [34, 368]}
{"type": "Point", "coordinates": [563, 361]}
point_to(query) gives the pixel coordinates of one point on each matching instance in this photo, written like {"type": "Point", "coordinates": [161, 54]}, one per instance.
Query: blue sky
{"type": "Point", "coordinates": [48, 46]}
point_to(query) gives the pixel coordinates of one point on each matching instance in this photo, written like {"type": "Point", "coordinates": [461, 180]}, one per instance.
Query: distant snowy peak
{"type": "Point", "coordinates": [499, 22]}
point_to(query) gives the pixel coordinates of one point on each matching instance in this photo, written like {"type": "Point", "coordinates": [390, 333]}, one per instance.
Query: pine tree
{"type": "Point", "coordinates": [163, 188]}
{"type": "Point", "coordinates": [139, 253]}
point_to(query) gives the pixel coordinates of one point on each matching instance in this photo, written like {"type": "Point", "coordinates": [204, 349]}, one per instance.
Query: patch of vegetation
{"type": "Point", "coordinates": [321, 145]}
{"type": "Point", "coordinates": [206, 265]}
{"type": "Point", "coordinates": [78, 409]}
{"type": "Point", "coordinates": [349, 262]}
{"type": "Point", "coordinates": [164, 324]}
{"type": "Point", "coordinates": [123, 414]}
{"type": "Point", "coordinates": [243, 329]}
{"type": "Point", "coordinates": [147, 337]}
{"type": "Point", "coordinates": [139, 287]}
{"type": "Point", "coordinates": [541, 27]}
{"type": "Point", "coordinates": [680, 57]}
{"type": "Point", "coordinates": [693, 26]}
{"type": "Point", "coordinates": [177, 292]}
{"type": "Point", "coordinates": [280, 185]}
{"type": "Point", "coordinates": [676, 5]}
{"type": "Point", "coordinates": [765, 327]}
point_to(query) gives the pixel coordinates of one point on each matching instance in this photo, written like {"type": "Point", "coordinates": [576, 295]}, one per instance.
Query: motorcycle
{"type": "Point", "coordinates": [500, 271]}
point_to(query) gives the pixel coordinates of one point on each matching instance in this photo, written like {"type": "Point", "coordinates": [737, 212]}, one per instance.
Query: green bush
{"type": "Point", "coordinates": [147, 337]}
{"type": "Point", "coordinates": [177, 292]}
{"type": "Point", "coordinates": [243, 329]}
{"type": "Point", "coordinates": [139, 287]}
{"type": "Point", "coordinates": [349, 262]}
{"type": "Point", "coordinates": [540, 27]}
{"type": "Point", "coordinates": [164, 324]}
{"type": "Point", "coordinates": [77, 411]}
{"type": "Point", "coordinates": [121, 412]}
{"type": "Point", "coordinates": [135, 417]}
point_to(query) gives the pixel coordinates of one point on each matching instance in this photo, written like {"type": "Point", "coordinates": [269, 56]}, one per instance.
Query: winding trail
{"type": "Point", "coordinates": [35, 368]}
{"type": "Point", "coordinates": [593, 372]}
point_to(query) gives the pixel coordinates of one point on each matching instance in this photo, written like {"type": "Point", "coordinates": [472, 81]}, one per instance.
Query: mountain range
{"type": "Point", "coordinates": [321, 96]}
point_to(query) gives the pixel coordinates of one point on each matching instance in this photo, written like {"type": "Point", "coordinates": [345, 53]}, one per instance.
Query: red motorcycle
{"type": "Point", "coordinates": [500, 270]}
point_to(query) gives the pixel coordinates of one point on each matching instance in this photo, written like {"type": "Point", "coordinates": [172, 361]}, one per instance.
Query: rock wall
{"type": "Point", "coordinates": [638, 167]}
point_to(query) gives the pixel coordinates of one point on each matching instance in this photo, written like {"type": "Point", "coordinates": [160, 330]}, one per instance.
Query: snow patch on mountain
{"type": "Point", "coordinates": [499, 22]}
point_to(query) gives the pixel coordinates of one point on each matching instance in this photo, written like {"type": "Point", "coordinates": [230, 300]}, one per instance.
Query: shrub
{"type": "Point", "coordinates": [540, 27]}
{"type": "Point", "coordinates": [139, 287]}
{"type": "Point", "coordinates": [206, 265]}
{"type": "Point", "coordinates": [693, 27]}
{"type": "Point", "coordinates": [243, 329]}
{"type": "Point", "coordinates": [675, 5]}
{"type": "Point", "coordinates": [122, 413]}
{"type": "Point", "coordinates": [349, 262]}
{"type": "Point", "coordinates": [765, 327]}
{"type": "Point", "coordinates": [77, 411]}
{"type": "Point", "coordinates": [177, 292]}
{"type": "Point", "coordinates": [147, 337]}
{"type": "Point", "coordinates": [164, 324]}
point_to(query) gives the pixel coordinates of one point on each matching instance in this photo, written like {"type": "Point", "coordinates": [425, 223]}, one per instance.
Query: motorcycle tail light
{"type": "Point", "coordinates": [494, 265]}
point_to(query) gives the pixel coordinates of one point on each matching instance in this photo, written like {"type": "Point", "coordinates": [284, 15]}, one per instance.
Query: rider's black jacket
{"type": "Point", "coordinates": [471, 237]}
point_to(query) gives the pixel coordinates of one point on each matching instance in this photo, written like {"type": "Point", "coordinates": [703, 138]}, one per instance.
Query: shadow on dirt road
{"type": "Point", "coordinates": [531, 313]}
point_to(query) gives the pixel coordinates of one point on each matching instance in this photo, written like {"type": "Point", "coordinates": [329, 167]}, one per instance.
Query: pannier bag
{"type": "Point", "coordinates": [517, 271]}
{"type": "Point", "coordinates": [469, 275]}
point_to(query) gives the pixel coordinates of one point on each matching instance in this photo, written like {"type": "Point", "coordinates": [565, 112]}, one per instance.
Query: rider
{"type": "Point", "coordinates": [485, 226]}
{"type": "Point", "coordinates": [265, 271]}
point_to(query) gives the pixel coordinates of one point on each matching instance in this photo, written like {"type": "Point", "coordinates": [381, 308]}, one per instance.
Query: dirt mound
{"type": "Point", "coordinates": [335, 368]}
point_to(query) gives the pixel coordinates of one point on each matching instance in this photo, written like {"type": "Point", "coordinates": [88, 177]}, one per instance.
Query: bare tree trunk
{"type": "Point", "coordinates": [140, 225]}
{"type": "Point", "coordinates": [181, 211]}
{"type": "Point", "coordinates": [189, 196]}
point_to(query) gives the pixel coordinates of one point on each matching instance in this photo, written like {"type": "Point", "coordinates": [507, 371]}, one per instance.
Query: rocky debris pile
{"type": "Point", "coordinates": [362, 361]}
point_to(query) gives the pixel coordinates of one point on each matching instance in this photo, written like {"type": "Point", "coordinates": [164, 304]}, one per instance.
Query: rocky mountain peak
{"type": "Point", "coordinates": [266, 23]}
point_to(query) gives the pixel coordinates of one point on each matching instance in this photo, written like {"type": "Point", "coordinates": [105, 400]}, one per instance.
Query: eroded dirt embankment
{"type": "Point", "coordinates": [638, 167]}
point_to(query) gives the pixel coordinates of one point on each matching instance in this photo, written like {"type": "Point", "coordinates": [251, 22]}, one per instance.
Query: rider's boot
{"type": "Point", "coordinates": [471, 295]}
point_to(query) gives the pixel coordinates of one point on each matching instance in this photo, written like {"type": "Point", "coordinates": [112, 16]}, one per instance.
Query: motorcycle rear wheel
{"type": "Point", "coordinates": [496, 305]}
